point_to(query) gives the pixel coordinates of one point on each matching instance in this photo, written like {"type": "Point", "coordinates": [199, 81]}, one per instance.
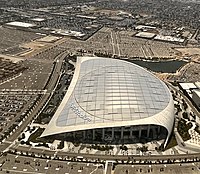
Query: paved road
{"type": "Point", "coordinates": [102, 158]}
{"type": "Point", "coordinates": [94, 157]}
{"type": "Point", "coordinates": [43, 100]}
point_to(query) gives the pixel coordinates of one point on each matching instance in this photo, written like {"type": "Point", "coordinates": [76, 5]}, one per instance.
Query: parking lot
{"type": "Point", "coordinates": [22, 164]}
{"type": "Point", "coordinates": [192, 168]}
{"type": "Point", "coordinates": [121, 43]}
{"type": "Point", "coordinates": [13, 38]}
{"type": "Point", "coordinates": [9, 69]}
{"type": "Point", "coordinates": [34, 77]}
{"type": "Point", "coordinates": [12, 108]}
{"type": "Point", "coordinates": [11, 163]}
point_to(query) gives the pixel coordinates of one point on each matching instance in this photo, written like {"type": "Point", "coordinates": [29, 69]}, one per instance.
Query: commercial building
{"type": "Point", "coordinates": [187, 88]}
{"type": "Point", "coordinates": [169, 39]}
{"type": "Point", "coordinates": [113, 101]}
{"type": "Point", "coordinates": [20, 24]}
{"type": "Point", "coordinates": [196, 97]}
{"type": "Point", "coordinates": [146, 35]}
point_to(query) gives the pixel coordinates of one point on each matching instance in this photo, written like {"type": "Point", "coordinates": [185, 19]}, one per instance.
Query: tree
{"type": "Point", "coordinates": [185, 106]}
{"type": "Point", "coordinates": [23, 135]}
{"type": "Point", "coordinates": [185, 115]}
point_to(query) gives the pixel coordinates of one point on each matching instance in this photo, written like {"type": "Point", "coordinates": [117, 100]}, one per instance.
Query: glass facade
{"type": "Point", "coordinates": [109, 90]}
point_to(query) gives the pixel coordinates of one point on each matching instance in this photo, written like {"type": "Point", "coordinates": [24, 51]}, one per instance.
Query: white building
{"type": "Point", "coordinates": [20, 24]}
{"type": "Point", "coordinates": [110, 99]}
{"type": "Point", "coordinates": [196, 97]}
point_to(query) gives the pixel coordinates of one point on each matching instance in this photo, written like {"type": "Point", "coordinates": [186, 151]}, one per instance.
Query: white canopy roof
{"type": "Point", "coordinates": [108, 92]}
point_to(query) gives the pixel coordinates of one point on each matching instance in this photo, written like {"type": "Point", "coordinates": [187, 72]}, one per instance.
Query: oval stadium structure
{"type": "Point", "coordinates": [111, 100]}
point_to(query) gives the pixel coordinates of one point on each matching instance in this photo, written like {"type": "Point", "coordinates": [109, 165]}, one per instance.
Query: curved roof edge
{"type": "Point", "coordinates": [164, 118]}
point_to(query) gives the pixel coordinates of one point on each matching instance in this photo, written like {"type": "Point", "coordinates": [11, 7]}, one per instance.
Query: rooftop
{"type": "Point", "coordinates": [109, 91]}
{"type": "Point", "coordinates": [187, 86]}
{"type": "Point", "coordinates": [20, 24]}
{"type": "Point", "coordinates": [197, 92]}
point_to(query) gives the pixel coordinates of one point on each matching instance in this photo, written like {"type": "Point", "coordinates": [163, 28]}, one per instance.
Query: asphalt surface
{"type": "Point", "coordinates": [43, 100]}
{"type": "Point", "coordinates": [102, 158]}
{"type": "Point", "coordinates": [60, 155]}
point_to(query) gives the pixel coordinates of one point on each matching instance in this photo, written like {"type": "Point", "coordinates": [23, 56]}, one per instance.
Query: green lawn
{"type": "Point", "coordinates": [183, 129]}
{"type": "Point", "coordinates": [172, 142]}
{"type": "Point", "coordinates": [35, 137]}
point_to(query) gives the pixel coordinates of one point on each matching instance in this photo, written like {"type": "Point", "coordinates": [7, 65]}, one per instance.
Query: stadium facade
{"type": "Point", "coordinates": [113, 100]}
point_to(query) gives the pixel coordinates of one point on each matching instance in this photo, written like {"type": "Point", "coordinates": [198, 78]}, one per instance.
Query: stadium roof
{"type": "Point", "coordinates": [108, 92]}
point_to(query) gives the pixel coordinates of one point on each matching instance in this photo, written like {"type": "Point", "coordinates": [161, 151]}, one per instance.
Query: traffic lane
{"type": "Point", "coordinates": [93, 157]}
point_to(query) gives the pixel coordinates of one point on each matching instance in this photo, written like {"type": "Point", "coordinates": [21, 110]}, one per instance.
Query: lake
{"type": "Point", "coordinates": [170, 66]}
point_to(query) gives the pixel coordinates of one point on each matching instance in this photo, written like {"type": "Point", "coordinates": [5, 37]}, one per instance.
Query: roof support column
{"type": "Point", "coordinates": [103, 133]}
{"type": "Point", "coordinates": [84, 134]}
{"type": "Point", "coordinates": [148, 130]}
{"type": "Point", "coordinates": [158, 129]}
{"type": "Point", "coordinates": [113, 133]}
{"type": "Point", "coordinates": [154, 133]}
{"type": "Point", "coordinates": [93, 134]}
{"type": "Point", "coordinates": [131, 132]}
{"type": "Point", "coordinates": [122, 132]}
{"type": "Point", "coordinates": [140, 132]}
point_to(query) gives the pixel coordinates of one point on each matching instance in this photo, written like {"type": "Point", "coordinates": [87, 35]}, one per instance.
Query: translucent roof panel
{"type": "Point", "coordinates": [108, 90]}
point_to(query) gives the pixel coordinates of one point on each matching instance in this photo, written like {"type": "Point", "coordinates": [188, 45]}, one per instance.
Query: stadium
{"type": "Point", "coordinates": [113, 101]}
